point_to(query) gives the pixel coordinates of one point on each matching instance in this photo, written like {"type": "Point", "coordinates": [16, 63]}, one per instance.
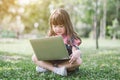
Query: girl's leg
{"type": "Point", "coordinates": [49, 65]}
{"type": "Point", "coordinates": [71, 66]}
{"type": "Point", "coordinates": [43, 64]}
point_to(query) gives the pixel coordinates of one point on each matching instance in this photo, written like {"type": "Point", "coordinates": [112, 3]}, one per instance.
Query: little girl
{"type": "Point", "coordinates": [60, 24]}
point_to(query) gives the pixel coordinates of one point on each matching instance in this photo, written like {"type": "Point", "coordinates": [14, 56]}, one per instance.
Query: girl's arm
{"type": "Point", "coordinates": [75, 50]}
{"type": "Point", "coordinates": [75, 55]}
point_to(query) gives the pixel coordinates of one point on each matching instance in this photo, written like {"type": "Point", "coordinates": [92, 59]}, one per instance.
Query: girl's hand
{"type": "Point", "coordinates": [74, 56]}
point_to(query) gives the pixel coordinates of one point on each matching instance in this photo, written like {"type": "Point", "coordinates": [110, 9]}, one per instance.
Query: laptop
{"type": "Point", "coordinates": [50, 48]}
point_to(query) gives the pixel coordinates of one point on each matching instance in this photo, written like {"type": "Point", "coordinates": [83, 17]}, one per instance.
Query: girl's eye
{"type": "Point", "coordinates": [61, 26]}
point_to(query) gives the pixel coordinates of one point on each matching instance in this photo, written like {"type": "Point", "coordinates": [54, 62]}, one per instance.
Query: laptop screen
{"type": "Point", "coordinates": [50, 48]}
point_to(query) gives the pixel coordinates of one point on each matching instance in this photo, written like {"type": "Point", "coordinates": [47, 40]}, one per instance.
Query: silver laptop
{"type": "Point", "coordinates": [50, 48]}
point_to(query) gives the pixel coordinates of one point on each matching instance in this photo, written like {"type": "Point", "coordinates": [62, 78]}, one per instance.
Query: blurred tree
{"type": "Point", "coordinates": [96, 23]}
{"type": "Point", "coordinates": [103, 20]}
{"type": "Point", "coordinates": [37, 12]}
{"type": "Point", "coordinates": [4, 10]}
{"type": "Point", "coordinates": [11, 19]}
{"type": "Point", "coordinates": [113, 12]}
{"type": "Point", "coordinates": [4, 7]}
{"type": "Point", "coordinates": [115, 28]}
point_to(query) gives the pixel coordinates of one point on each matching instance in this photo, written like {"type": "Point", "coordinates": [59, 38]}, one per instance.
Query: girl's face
{"type": "Point", "coordinates": [58, 29]}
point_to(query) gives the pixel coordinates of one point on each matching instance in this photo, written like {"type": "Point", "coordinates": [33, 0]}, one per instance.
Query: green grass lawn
{"type": "Point", "coordinates": [101, 64]}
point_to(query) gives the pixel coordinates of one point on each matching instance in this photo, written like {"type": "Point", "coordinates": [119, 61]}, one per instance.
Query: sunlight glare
{"type": "Point", "coordinates": [25, 2]}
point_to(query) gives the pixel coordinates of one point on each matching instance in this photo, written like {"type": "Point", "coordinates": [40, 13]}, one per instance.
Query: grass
{"type": "Point", "coordinates": [101, 64]}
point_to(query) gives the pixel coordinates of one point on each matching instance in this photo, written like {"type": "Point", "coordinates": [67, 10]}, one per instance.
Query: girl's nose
{"type": "Point", "coordinates": [57, 28]}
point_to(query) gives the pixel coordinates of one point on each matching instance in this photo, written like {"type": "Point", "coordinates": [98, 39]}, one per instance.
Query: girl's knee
{"type": "Point", "coordinates": [79, 61]}
{"type": "Point", "coordinates": [34, 59]}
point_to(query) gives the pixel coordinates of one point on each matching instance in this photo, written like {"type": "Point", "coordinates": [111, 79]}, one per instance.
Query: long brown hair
{"type": "Point", "coordinates": [61, 17]}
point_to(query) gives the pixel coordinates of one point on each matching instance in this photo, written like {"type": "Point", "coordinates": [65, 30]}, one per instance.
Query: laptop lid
{"type": "Point", "coordinates": [50, 48]}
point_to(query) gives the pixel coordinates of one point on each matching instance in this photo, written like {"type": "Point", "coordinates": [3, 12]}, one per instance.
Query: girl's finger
{"type": "Point", "coordinates": [71, 60]}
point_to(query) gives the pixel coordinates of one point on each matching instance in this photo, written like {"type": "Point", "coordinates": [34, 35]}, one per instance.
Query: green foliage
{"type": "Point", "coordinates": [102, 64]}
{"type": "Point", "coordinates": [112, 12]}
{"type": "Point", "coordinates": [84, 30]}
{"type": "Point", "coordinates": [8, 34]}
{"type": "Point", "coordinates": [114, 30]}
{"type": "Point", "coordinates": [35, 13]}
